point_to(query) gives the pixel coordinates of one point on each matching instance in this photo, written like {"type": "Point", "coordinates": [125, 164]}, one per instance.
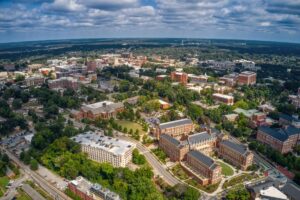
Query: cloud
{"type": "Point", "coordinates": [196, 18]}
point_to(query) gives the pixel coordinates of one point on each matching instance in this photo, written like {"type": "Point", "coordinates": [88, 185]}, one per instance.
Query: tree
{"type": "Point", "coordinates": [138, 158]}
{"type": "Point", "coordinates": [34, 165]}
{"type": "Point", "coordinates": [194, 111]}
{"type": "Point", "coordinates": [191, 194]}
{"type": "Point", "coordinates": [238, 194]}
{"type": "Point", "coordinates": [17, 104]}
{"type": "Point", "coordinates": [19, 78]}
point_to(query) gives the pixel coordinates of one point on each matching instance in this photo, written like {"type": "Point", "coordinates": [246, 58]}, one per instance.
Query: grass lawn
{"type": "Point", "coordinates": [179, 172]}
{"type": "Point", "coordinates": [207, 188]}
{"type": "Point", "coordinates": [226, 170]}
{"type": "Point", "coordinates": [130, 125]}
{"type": "Point", "coordinates": [3, 183]}
{"type": "Point", "coordinates": [239, 179]}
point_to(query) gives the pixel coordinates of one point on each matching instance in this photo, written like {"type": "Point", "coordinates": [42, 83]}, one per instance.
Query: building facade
{"type": "Point", "coordinates": [64, 82]}
{"type": "Point", "coordinates": [180, 77]}
{"type": "Point", "coordinates": [208, 171]}
{"type": "Point", "coordinates": [222, 98]}
{"type": "Point", "coordinates": [283, 140]}
{"type": "Point", "coordinates": [236, 154]}
{"type": "Point", "coordinates": [89, 191]}
{"type": "Point", "coordinates": [247, 78]}
{"type": "Point", "coordinates": [100, 110]}
{"type": "Point", "coordinates": [105, 149]}
{"type": "Point", "coordinates": [175, 128]}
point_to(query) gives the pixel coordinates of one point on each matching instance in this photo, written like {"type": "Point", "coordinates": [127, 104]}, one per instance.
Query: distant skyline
{"type": "Point", "coordinates": [269, 20]}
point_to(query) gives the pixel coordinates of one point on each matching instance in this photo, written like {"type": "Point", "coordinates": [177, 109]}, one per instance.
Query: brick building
{"type": "Point", "coordinates": [207, 170]}
{"type": "Point", "coordinates": [64, 82]}
{"type": "Point", "coordinates": [177, 150]}
{"type": "Point", "coordinates": [289, 120]}
{"type": "Point", "coordinates": [103, 110]}
{"type": "Point", "coordinates": [180, 77]}
{"type": "Point", "coordinates": [247, 78]}
{"type": "Point", "coordinates": [237, 154]}
{"type": "Point", "coordinates": [283, 140]}
{"type": "Point", "coordinates": [175, 128]}
{"type": "Point", "coordinates": [89, 191]}
{"type": "Point", "coordinates": [222, 98]}
{"type": "Point", "coordinates": [34, 81]}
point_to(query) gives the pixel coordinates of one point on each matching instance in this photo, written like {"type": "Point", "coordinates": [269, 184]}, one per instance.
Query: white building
{"type": "Point", "coordinates": [105, 149]}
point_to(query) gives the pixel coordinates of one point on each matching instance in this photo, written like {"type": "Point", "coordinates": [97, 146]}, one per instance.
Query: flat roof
{"type": "Point", "coordinates": [109, 144]}
{"type": "Point", "coordinates": [175, 123]}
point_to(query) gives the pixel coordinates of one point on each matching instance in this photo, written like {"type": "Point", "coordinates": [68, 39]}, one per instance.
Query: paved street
{"type": "Point", "coordinates": [32, 193]}
{"type": "Point", "coordinates": [53, 191]}
{"type": "Point", "coordinates": [157, 166]}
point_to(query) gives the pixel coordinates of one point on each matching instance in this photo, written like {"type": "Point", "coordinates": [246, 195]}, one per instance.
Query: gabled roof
{"type": "Point", "coordinates": [237, 147]}
{"type": "Point", "coordinates": [210, 163]}
{"type": "Point", "coordinates": [280, 134]}
{"type": "Point", "coordinates": [175, 123]}
{"type": "Point", "coordinates": [198, 137]}
{"type": "Point", "coordinates": [273, 133]}
{"type": "Point", "coordinates": [173, 140]}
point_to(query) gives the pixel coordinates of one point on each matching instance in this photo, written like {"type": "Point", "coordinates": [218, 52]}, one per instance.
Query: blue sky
{"type": "Point", "coordinates": [277, 20]}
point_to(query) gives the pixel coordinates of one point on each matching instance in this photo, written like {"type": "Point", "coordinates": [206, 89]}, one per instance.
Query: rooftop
{"type": "Point", "coordinates": [291, 190]}
{"type": "Point", "coordinates": [109, 144]}
{"type": "Point", "coordinates": [175, 123]}
{"type": "Point", "coordinates": [247, 73]}
{"type": "Point", "coordinates": [237, 147]}
{"type": "Point", "coordinates": [280, 134]}
{"type": "Point", "coordinates": [101, 107]}
{"type": "Point", "coordinates": [199, 137]}
{"type": "Point", "coordinates": [210, 163]}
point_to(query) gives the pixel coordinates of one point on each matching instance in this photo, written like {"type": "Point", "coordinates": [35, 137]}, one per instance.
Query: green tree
{"type": "Point", "coordinates": [17, 104]}
{"type": "Point", "coordinates": [34, 165]}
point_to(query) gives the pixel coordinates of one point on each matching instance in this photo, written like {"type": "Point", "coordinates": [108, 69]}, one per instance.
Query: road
{"type": "Point", "coordinates": [32, 193]}
{"type": "Point", "coordinates": [12, 192]}
{"type": "Point", "coordinates": [53, 191]}
{"type": "Point", "coordinates": [152, 160]}
{"type": "Point", "coordinates": [158, 168]}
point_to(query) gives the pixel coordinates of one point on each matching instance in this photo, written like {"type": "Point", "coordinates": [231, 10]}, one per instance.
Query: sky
{"type": "Point", "coordinates": [29, 20]}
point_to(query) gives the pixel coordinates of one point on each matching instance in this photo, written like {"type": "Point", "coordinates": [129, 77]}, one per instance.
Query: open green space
{"type": "Point", "coordinates": [207, 188]}
{"type": "Point", "coordinates": [226, 169]}
{"type": "Point", "coordinates": [3, 183]}
{"type": "Point", "coordinates": [131, 125]}
{"type": "Point", "coordinates": [178, 171]}
{"type": "Point", "coordinates": [239, 179]}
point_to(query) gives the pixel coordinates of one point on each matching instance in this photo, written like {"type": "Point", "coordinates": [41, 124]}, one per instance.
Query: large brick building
{"type": "Point", "coordinates": [103, 110]}
{"type": "Point", "coordinates": [237, 154]}
{"type": "Point", "coordinates": [283, 140]}
{"type": "Point", "coordinates": [175, 128]}
{"type": "Point", "coordinates": [222, 98]}
{"type": "Point", "coordinates": [205, 169]}
{"type": "Point", "coordinates": [177, 150]}
{"type": "Point", "coordinates": [180, 77]}
{"type": "Point", "coordinates": [247, 78]}
{"type": "Point", "coordinates": [64, 83]}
